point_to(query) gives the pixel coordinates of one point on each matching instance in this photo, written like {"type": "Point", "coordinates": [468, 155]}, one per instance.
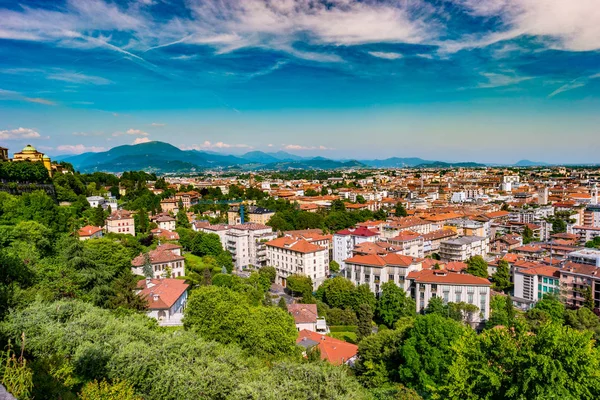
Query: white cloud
{"type": "Point", "coordinates": [157, 124]}
{"type": "Point", "coordinates": [12, 95]}
{"type": "Point", "coordinates": [300, 147]}
{"type": "Point", "coordinates": [498, 80]}
{"type": "Point", "coordinates": [78, 148]}
{"type": "Point", "coordinates": [19, 133]}
{"type": "Point", "coordinates": [88, 134]}
{"type": "Point", "coordinates": [74, 77]}
{"type": "Point", "coordinates": [270, 145]}
{"type": "Point", "coordinates": [386, 55]}
{"type": "Point", "coordinates": [137, 132]}
{"type": "Point", "coordinates": [218, 145]}
{"type": "Point", "coordinates": [141, 140]}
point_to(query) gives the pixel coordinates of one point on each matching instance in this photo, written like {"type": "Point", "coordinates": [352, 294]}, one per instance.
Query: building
{"type": "Point", "coordinates": [451, 287]}
{"type": "Point", "coordinates": [165, 261]}
{"type": "Point", "coordinates": [292, 256]}
{"type": "Point", "coordinates": [585, 256]}
{"type": "Point", "coordinates": [585, 233]}
{"type": "Point", "coordinates": [575, 279]}
{"type": "Point", "coordinates": [120, 221]}
{"type": "Point", "coordinates": [591, 216]}
{"type": "Point", "coordinates": [532, 283]}
{"type": "Point", "coordinates": [166, 299]}
{"type": "Point", "coordinates": [188, 199]}
{"type": "Point", "coordinates": [433, 240]}
{"type": "Point", "coordinates": [306, 318]}
{"type": "Point", "coordinates": [30, 154]}
{"type": "Point", "coordinates": [345, 240]}
{"type": "Point", "coordinates": [165, 222]}
{"type": "Point", "coordinates": [252, 214]}
{"type": "Point", "coordinates": [412, 244]}
{"type": "Point", "coordinates": [3, 154]}
{"type": "Point", "coordinates": [246, 243]}
{"type": "Point", "coordinates": [332, 350]}
{"type": "Point", "coordinates": [374, 270]}
{"type": "Point", "coordinates": [463, 248]}
{"type": "Point", "coordinates": [89, 232]}
{"type": "Point", "coordinates": [95, 201]}
{"type": "Point", "coordinates": [169, 206]}
{"type": "Point", "coordinates": [164, 234]}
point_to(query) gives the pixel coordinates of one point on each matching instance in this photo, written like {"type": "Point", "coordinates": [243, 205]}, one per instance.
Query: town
{"type": "Point", "coordinates": [348, 254]}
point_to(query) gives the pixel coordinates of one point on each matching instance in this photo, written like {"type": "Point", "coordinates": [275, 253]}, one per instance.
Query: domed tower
{"type": "Point", "coordinates": [47, 163]}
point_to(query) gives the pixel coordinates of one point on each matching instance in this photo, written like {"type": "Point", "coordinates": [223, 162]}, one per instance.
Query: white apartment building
{"type": "Point", "coordinates": [374, 270]}
{"type": "Point", "coordinates": [463, 248]}
{"type": "Point", "coordinates": [451, 287]}
{"type": "Point", "coordinates": [246, 243]}
{"type": "Point", "coordinates": [412, 244]}
{"type": "Point", "coordinates": [531, 284]}
{"type": "Point", "coordinates": [586, 233]}
{"type": "Point", "coordinates": [345, 240]}
{"type": "Point", "coordinates": [297, 256]}
{"type": "Point", "coordinates": [458, 197]}
{"type": "Point", "coordinates": [120, 221]}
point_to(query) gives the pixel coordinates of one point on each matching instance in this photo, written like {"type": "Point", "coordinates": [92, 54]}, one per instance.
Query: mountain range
{"type": "Point", "coordinates": [165, 158]}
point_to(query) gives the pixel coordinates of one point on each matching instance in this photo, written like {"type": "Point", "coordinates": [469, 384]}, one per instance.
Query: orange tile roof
{"type": "Point", "coordinates": [168, 291]}
{"type": "Point", "coordinates": [445, 277]}
{"type": "Point", "coordinates": [335, 351]}
{"type": "Point", "coordinates": [303, 313]}
{"type": "Point", "coordinates": [543, 270]}
{"type": "Point", "coordinates": [89, 230]}
{"type": "Point", "coordinates": [382, 261]}
{"type": "Point", "coordinates": [297, 245]}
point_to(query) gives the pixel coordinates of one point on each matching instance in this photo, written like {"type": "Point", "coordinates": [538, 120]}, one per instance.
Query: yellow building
{"type": "Point", "coordinates": [29, 153]}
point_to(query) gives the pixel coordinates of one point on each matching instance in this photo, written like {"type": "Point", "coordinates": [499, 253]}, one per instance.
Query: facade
{"type": "Point", "coordinates": [345, 240]}
{"type": "Point", "coordinates": [165, 222]}
{"type": "Point", "coordinates": [166, 299]}
{"type": "Point", "coordinates": [591, 216]}
{"type": "Point", "coordinates": [188, 199]}
{"type": "Point", "coordinates": [412, 244]}
{"type": "Point", "coordinates": [246, 243]}
{"type": "Point", "coordinates": [169, 206]}
{"type": "Point", "coordinates": [374, 270]}
{"type": "Point", "coordinates": [29, 153]}
{"type": "Point", "coordinates": [252, 214]}
{"type": "Point", "coordinates": [292, 256]}
{"type": "Point", "coordinates": [575, 279]}
{"type": "Point", "coordinates": [531, 284]}
{"type": "Point", "coordinates": [306, 318]}
{"type": "Point", "coordinates": [120, 221]}
{"type": "Point", "coordinates": [89, 232]}
{"type": "Point", "coordinates": [451, 287]}
{"type": "Point", "coordinates": [166, 261]}
{"type": "Point", "coordinates": [463, 248]}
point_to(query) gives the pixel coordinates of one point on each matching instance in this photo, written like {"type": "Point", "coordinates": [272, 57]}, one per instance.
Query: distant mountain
{"type": "Point", "coordinates": [314, 164]}
{"type": "Point", "coordinates": [285, 156]}
{"type": "Point", "coordinates": [529, 163]}
{"type": "Point", "coordinates": [396, 162]}
{"type": "Point", "coordinates": [442, 164]}
{"type": "Point", "coordinates": [259, 157]}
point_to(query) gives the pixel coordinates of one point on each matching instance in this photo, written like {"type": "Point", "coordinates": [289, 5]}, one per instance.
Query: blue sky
{"type": "Point", "coordinates": [477, 80]}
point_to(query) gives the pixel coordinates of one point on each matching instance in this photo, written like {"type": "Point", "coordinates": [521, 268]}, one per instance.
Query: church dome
{"type": "Point", "coordinates": [29, 149]}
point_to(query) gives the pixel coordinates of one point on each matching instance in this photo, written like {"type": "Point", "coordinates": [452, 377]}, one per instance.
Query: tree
{"type": "Point", "coordinates": [365, 321]}
{"type": "Point", "coordinates": [337, 292]}
{"type": "Point", "coordinates": [141, 221]}
{"type": "Point", "coordinates": [269, 272]}
{"type": "Point", "coordinates": [559, 225]}
{"type": "Point", "coordinates": [436, 306]}
{"type": "Point", "coordinates": [588, 296]}
{"type": "Point", "coordinates": [103, 390]}
{"type": "Point", "coordinates": [124, 293]}
{"type": "Point", "coordinates": [182, 219]}
{"type": "Point", "coordinates": [501, 277]}
{"type": "Point", "coordinates": [338, 205]}
{"type": "Point", "coordinates": [310, 193]}
{"type": "Point", "coordinates": [583, 319]}
{"type": "Point", "coordinates": [393, 304]}
{"type": "Point", "coordinates": [98, 216]}
{"type": "Point", "coordinates": [147, 269]}
{"type": "Point", "coordinates": [477, 266]}
{"type": "Point", "coordinates": [527, 235]}
{"type": "Point", "coordinates": [380, 215]}
{"type": "Point", "coordinates": [299, 284]}
{"type": "Point", "coordinates": [360, 199]}
{"type": "Point", "coordinates": [334, 267]}
{"type": "Point", "coordinates": [400, 211]}
{"type": "Point", "coordinates": [551, 306]}
{"type": "Point", "coordinates": [282, 304]}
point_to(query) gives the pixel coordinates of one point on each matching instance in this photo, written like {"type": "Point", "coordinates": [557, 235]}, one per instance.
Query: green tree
{"type": "Point", "coordinates": [98, 218]}
{"type": "Point", "coordinates": [360, 199]}
{"type": "Point", "coordinates": [365, 321]}
{"type": "Point", "coordinates": [501, 277]}
{"type": "Point", "coordinates": [310, 193]}
{"type": "Point", "coordinates": [282, 304]}
{"type": "Point", "coordinates": [393, 304]}
{"type": "Point", "coordinates": [400, 211]}
{"type": "Point", "coordinates": [436, 306]}
{"type": "Point", "coordinates": [550, 306]}
{"type": "Point", "coordinates": [527, 235]}
{"type": "Point", "coordinates": [338, 205]}
{"type": "Point", "coordinates": [299, 284]}
{"type": "Point", "coordinates": [334, 267]}
{"type": "Point", "coordinates": [588, 296]}
{"type": "Point", "coordinates": [337, 292]}
{"type": "Point", "coordinates": [269, 272]}
{"type": "Point", "coordinates": [477, 266]}
{"type": "Point", "coordinates": [182, 219]}
{"type": "Point", "coordinates": [141, 220]}
{"type": "Point", "coordinates": [103, 390]}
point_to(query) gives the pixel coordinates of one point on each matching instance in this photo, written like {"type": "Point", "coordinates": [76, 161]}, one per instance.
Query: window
{"type": "Point", "coordinates": [545, 280]}
{"type": "Point", "coordinates": [391, 277]}
{"type": "Point", "coordinates": [446, 296]}
{"type": "Point", "coordinates": [367, 278]}
{"type": "Point", "coordinates": [433, 287]}
{"type": "Point", "coordinates": [470, 298]}
{"type": "Point", "coordinates": [482, 304]}
{"type": "Point", "coordinates": [458, 296]}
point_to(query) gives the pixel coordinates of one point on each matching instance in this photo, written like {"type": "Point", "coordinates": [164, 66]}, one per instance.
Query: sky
{"type": "Point", "coordinates": [455, 80]}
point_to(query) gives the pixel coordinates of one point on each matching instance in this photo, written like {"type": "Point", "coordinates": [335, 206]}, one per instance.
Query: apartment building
{"type": "Point", "coordinates": [120, 221]}
{"type": "Point", "coordinates": [246, 243]}
{"type": "Point", "coordinates": [591, 216]}
{"type": "Point", "coordinates": [532, 283]}
{"type": "Point", "coordinates": [394, 226]}
{"type": "Point", "coordinates": [252, 214]}
{"type": "Point", "coordinates": [412, 244]}
{"type": "Point", "coordinates": [374, 270]}
{"type": "Point", "coordinates": [432, 240]}
{"type": "Point", "coordinates": [463, 248]}
{"type": "Point", "coordinates": [451, 287]}
{"type": "Point", "coordinates": [345, 240]}
{"type": "Point", "coordinates": [188, 199]}
{"type": "Point", "coordinates": [297, 256]}
{"type": "Point", "coordinates": [575, 278]}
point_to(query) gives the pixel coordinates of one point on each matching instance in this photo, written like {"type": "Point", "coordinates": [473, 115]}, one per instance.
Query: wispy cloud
{"type": "Point", "coordinates": [158, 124]}
{"type": "Point", "coordinates": [78, 148]}
{"type": "Point", "coordinates": [574, 84]}
{"type": "Point", "coordinates": [497, 79]}
{"type": "Point", "coordinates": [12, 95]}
{"type": "Point", "coordinates": [141, 140]}
{"type": "Point", "coordinates": [86, 134]}
{"type": "Point", "coordinates": [19, 133]}
{"type": "Point", "coordinates": [301, 147]}
{"type": "Point", "coordinates": [74, 77]}
{"type": "Point", "coordinates": [386, 55]}
{"type": "Point", "coordinates": [217, 145]}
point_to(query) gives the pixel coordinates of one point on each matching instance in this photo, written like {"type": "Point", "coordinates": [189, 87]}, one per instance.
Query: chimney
{"type": "Point", "coordinates": [155, 297]}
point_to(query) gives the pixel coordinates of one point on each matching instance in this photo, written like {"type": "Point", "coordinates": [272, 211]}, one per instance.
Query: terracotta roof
{"type": "Point", "coordinates": [497, 214]}
{"type": "Point", "coordinates": [89, 230]}
{"type": "Point", "coordinates": [439, 234]}
{"type": "Point", "coordinates": [511, 257]}
{"type": "Point", "coordinates": [581, 269]}
{"type": "Point", "coordinates": [303, 313]}
{"type": "Point", "coordinates": [165, 218]}
{"type": "Point", "coordinates": [297, 245]}
{"type": "Point", "coordinates": [162, 293]}
{"type": "Point", "coordinates": [456, 266]}
{"type": "Point", "coordinates": [445, 277]}
{"type": "Point", "coordinates": [335, 351]}
{"type": "Point", "coordinates": [529, 249]}
{"type": "Point", "coordinates": [250, 227]}
{"type": "Point", "coordinates": [158, 256]}
{"type": "Point", "coordinates": [379, 247]}
{"type": "Point", "coordinates": [544, 270]}
{"type": "Point", "coordinates": [360, 231]}
{"type": "Point", "coordinates": [165, 234]}
{"type": "Point", "coordinates": [382, 261]}
{"type": "Point", "coordinates": [405, 236]}
{"type": "Point", "coordinates": [120, 214]}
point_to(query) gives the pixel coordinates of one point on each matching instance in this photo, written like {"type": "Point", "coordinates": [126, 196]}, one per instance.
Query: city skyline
{"type": "Point", "coordinates": [492, 81]}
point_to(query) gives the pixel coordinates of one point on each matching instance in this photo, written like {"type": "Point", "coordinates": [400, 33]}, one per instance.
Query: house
{"type": "Point", "coordinates": [169, 205]}
{"type": "Point", "coordinates": [165, 234]}
{"type": "Point", "coordinates": [165, 259]}
{"type": "Point", "coordinates": [374, 270]}
{"type": "Point", "coordinates": [188, 199]}
{"type": "Point", "coordinates": [297, 256]}
{"type": "Point", "coordinates": [451, 287]}
{"type": "Point", "coordinates": [89, 232]}
{"type": "Point", "coordinates": [334, 351]}
{"type": "Point", "coordinates": [120, 221]}
{"type": "Point", "coordinates": [463, 248]}
{"type": "Point", "coordinates": [252, 214]}
{"type": "Point", "coordinates": [345, 240]}
{"type": "Point", "coordinates": [531, 283]}
{"type": "Point", "coordinates": [166, 299]}
{"type": "Point", "coordinates": [165, 222]}
{"type": "Point", "coordinates": [306, 318]}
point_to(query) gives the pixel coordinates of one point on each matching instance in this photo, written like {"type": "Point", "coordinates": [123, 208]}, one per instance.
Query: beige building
{"type": "Point", "coordinates": [463, 248]}
{"type": "Point", "coordinates": [29, 153]}
{"type": "Point", "coordinates": [120, 221]}
{"type": "Point", "coordinates": [166, 261]}
{"type": "Point", "coordinates": [252, 214]}
{"type": "Point", "coordinates": [375, 270]}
